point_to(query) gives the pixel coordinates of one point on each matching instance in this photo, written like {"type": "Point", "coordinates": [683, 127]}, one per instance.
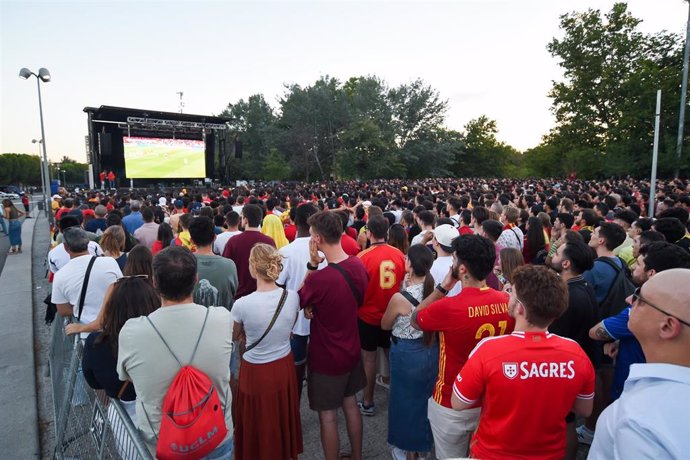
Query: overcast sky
{"type": "Point", "coordinates": [486, 57]}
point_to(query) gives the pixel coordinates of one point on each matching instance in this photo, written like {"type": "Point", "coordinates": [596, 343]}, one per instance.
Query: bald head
{"type": "Point", "coordinates": [671, 288]}
{"type": "Point", "coordinates": [660, 317]}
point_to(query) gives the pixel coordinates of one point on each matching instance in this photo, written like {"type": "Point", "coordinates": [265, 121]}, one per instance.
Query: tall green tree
{"type": "Point", "coordinates": [255, 125]}
{"type": "Point", "coordinates": [605, 103]}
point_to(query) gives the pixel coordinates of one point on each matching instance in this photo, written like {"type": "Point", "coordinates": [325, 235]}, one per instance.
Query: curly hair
{"type": "Point", "coordinates": [542, 292]}
{"type": "Point", "coordinates": [267, 261]}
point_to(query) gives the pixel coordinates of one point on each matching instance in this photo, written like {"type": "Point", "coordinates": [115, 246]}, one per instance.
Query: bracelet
{"type": "Point", "coordinates": [312, 267]}
{"type": "Point", "coordinates": [441, 289]}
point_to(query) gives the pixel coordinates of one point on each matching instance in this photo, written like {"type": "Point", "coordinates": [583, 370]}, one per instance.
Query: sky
{"type": "Point", "coordinates": [486, 57]}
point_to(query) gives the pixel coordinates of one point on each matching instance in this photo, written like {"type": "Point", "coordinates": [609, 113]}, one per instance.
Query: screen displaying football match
{"type": "Point", "coordinates": [156, 158]}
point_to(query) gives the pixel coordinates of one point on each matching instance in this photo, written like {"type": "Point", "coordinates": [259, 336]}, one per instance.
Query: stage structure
{"type": "Point", "coordinates": [153, 147]}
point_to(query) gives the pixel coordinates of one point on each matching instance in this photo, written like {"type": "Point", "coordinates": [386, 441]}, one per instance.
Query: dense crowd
{"type": "Point", "coordinates": [518, 318]}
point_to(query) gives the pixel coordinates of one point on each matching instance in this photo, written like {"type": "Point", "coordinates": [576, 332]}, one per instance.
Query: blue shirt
{"type": "Point", "coordinates": [601, 277]}
{"type": "Point", "coordinates": [651, 418]}
{"type": "Point", "coordinates": [133, 221]}
{"type": "Point", "coordinates": [629, 349]}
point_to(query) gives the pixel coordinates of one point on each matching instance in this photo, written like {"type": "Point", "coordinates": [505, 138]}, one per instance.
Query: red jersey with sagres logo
{"type": "Point", "coordinates": [462, 321]}
{"type": "Point", "coordinates": [526, 383]}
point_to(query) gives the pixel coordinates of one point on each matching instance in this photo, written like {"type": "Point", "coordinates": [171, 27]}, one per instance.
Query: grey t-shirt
{"type": "Point", "coordinates": [145, 360]}
{"type": "Point", "coordinates": [220, 285]}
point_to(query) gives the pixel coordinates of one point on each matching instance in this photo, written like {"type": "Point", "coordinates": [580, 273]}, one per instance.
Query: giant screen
{"type": "Point", "coordinates": [156, 158]}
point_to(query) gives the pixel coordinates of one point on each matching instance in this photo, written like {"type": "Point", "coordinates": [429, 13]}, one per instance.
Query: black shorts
{"type": "Point", "coordinates": [371, 337]}
{"type": "Point", "coordinates": [327, 392]}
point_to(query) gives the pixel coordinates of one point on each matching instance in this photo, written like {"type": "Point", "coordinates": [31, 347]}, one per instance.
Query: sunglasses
{"type": "Point", "coordinates": [637, 297]}
{"type": "Point", "coordinates": [143, 277]}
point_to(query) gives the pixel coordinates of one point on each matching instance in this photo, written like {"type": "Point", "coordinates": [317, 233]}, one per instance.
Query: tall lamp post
{"type": "Point", "coordinates": [43, 170]}
{"type": "Point", "coordinates": [43, 75]}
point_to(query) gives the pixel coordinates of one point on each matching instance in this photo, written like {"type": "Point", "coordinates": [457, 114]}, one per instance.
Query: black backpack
{"type": "Point", "coordinates": [621, 288]}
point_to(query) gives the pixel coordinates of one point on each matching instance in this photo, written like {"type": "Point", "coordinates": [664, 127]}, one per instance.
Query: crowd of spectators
{"type": "Point", "coordinates": [518, 318]}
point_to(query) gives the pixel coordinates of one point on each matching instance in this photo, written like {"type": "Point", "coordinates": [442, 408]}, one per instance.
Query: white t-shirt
{"type": "Point", "coordinates": [295, 258]}
{"type": "Point", "coordinates": [238, 209]}
{"type": "Point", "coordinates": [255, 312]}
{"type": "Point", "coordinates": [67, 284]}
{"type": "Point", "coordinates": [439, 270]}
{"type": "Point", "coordinates": [222, 240]}
{"type": "Point", "coordinates": [58, 256]}
{"type": "Point", "coordinates": [418, 239]}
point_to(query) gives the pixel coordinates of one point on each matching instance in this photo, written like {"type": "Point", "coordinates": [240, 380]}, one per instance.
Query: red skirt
{"type": "Point", "coordinates": [268, 424]}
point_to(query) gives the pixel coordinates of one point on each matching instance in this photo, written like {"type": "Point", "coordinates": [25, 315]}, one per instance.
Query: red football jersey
{"type": "Point", "coordinates": [526, 383]}
{"type": "Point", "coordinates": [386, 267]}
{"type": "Point", "coordinates": [462, 321]}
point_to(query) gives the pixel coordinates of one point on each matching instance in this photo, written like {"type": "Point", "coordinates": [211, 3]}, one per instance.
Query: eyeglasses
{"type": "Point", "coordinates": [143, 277]}
{"type": "Point", "coordinates": [637, 297]}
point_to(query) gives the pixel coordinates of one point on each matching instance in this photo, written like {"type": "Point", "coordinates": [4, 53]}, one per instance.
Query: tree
{"type": "Point", "coordinates": [254, 123]}
{"type": "Point", "coordinates": [482, 154]}
{"type": "Point", "coordinates": [19, 168]}
{"type": "Point", "coordinates": [604, 106]}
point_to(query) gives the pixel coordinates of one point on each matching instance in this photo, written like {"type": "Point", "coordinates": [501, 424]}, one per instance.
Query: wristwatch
{"type": "Point", "coordinates": [441, 289]}
{"type": "Point", "coordinates": [312, 267]}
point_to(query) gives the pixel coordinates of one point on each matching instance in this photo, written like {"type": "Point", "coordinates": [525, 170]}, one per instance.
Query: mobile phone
{"type": "Point", "coordinates": [502, 279]}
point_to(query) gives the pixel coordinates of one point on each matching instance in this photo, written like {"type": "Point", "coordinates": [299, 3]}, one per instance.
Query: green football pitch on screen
{"type": "Point", "coordinates": [155, 158]}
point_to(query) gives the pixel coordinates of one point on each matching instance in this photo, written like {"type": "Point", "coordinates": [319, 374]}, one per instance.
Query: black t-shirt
{"type": "Point", "coordinates": [100, 369]}
{"type": "Point", "coordinates": [579, 318]}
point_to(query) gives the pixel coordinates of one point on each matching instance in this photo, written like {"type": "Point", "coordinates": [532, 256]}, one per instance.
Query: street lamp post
{"type": "Point", "coordinates": [43, 75]}
{"type": "Point", "coordinates": [43, 171]}
{"type": "Point", "coordinates": [64, 178]}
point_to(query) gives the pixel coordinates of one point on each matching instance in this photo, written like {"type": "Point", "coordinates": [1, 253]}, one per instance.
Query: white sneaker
{"type": "Point", "coordinates": [398, 454]}
{"type": "Point", "coordinates": [584, 435]}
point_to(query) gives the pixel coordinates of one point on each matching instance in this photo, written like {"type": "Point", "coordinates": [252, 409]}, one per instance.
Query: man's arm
{"type": "Point", "coordinates": [599, 332]}
{"type": "Point", "coordinates": [458, 404]}
{"type": "Point", "coordinates": [583, 407]}
{"type": "Point", "coordinates": [64, 309]}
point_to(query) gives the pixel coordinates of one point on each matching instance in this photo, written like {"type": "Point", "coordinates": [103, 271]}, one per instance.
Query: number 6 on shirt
{"type": "Point", "coordinates": [387, 277]}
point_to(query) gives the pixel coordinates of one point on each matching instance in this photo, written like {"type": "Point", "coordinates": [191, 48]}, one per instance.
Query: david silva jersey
{"type": "Point", "coordinates": [462, 321]}
{"type": "Point", "coordinates": [526, 383]}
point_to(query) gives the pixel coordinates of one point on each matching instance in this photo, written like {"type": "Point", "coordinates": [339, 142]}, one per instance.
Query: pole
{"type": "Point", "coordinates": [683, 91]}
{"type": "Point", "coordinates": [51, 218]}
{"type": "Point", "coordinates": [652, 192]}
{"type": "Point", "coordinates": [43, 176]}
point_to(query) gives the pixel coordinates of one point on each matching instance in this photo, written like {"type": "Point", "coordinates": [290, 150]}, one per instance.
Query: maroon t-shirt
{"type": "Point", "coordinates": [237, 249]}
{"type": "Point", "coordinates": [334, 338]}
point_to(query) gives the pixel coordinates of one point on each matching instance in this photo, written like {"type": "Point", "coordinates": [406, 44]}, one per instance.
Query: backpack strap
{"type": "Point", "coordinates": [355, 291]}
{"type": "Point", "coordinates": [512, 229]}
{"type": "Point", "coordinates": [196, 346]}
{"type": "Point", "coordinates": [273, 321]}
{"type": "Point", "coordinates": [84, 286]}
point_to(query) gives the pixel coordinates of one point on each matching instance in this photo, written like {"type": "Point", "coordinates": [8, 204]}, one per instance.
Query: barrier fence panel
{"type": "Point", "coordinates": [88, 423]}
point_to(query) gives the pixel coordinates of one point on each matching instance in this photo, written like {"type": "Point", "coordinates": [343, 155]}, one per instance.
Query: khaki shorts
{"type": "Point", "coordinates": [327, 392]}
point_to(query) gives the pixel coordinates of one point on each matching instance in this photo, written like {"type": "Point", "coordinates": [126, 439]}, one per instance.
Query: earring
{"type": "Point", "coordinates": [466, 277]}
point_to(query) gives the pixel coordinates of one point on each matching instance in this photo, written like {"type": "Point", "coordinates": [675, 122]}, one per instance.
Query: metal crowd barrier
{"type": "Point", "coordinates": [88, 424]}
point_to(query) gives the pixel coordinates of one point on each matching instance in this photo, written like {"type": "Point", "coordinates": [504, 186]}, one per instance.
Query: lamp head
{"type": "Point", "coordinates": [44, 75]}
{"type": "Point", "coordinates": [25, 73]}
{"type": "Point", "coordinates": [40, 141]}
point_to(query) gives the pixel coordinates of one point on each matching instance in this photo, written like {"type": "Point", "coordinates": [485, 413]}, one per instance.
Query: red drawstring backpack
{"type": "Point", "coordinates": [193, 421]}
